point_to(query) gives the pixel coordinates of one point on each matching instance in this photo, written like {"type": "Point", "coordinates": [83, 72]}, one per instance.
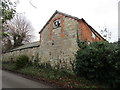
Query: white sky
{"type": "Point", "coordinates": [97, 13]}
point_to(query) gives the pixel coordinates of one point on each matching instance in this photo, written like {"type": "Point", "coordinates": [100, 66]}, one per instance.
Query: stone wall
{"type": "Point", "coordinates": [59, 52]}
{"type": "Point", "coordinates": [30, 52]}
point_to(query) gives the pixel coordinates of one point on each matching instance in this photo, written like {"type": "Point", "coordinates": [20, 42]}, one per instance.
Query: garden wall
{"type": "Point", "coordinates": [31, 50]}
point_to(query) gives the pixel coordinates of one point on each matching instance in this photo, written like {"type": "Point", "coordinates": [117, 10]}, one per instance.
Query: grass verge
{"type": "Point", "coordinates": [60, 78]}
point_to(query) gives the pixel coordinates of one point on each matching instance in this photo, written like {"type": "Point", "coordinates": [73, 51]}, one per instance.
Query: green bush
{"type": "Point", "coordinates": [21, 61]}
{"type": "Point", "coordinates": [99, 61]}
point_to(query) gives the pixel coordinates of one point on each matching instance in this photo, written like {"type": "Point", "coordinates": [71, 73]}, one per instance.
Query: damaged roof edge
{"type": "Point", "coordinates": [92, 29]}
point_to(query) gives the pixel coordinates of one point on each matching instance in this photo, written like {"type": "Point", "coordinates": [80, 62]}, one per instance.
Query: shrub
{"type": "Point", "coordinates": [21, 61]}
{"type": "Point", "coordinates": [99, 61]}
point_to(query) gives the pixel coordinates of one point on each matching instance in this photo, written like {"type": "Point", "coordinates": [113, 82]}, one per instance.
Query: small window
{"type": "Point", "coordinates": [56, 23]}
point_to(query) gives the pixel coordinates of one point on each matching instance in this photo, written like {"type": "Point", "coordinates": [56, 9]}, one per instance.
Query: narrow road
{"type": "Point", "coordinates": [11, 80]}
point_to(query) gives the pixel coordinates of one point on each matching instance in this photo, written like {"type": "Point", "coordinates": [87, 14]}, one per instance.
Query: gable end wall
{"type": "Point", "coordinates": [59, 51]}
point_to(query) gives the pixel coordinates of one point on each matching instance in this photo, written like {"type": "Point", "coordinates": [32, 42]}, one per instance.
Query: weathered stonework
{"type": "Point", "coordinates": [31, 51]}
{"type": "Point", "coordinates": [58, 45]}
{"type": "Point", "coordinates": [59, 50]}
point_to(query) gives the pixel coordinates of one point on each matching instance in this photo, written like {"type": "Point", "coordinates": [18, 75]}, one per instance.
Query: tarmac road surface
{"type": "Point", "coordinates": [11, 80]}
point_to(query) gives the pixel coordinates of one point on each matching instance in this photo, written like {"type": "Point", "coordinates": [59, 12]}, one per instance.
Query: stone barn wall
{"type": "Point", "coordinates": [59, 45]}
{"type": "Point", "coordinates": [59, 49]}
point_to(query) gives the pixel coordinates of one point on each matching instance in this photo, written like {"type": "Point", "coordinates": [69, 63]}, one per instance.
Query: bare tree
{"type": "Point", "coordinates": [105, 33]}
{"type": "Point", "coordinates": [18, 31]}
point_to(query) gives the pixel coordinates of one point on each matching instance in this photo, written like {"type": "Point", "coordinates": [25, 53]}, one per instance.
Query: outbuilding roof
{"type": "Point", "coordinates": [25, 46]}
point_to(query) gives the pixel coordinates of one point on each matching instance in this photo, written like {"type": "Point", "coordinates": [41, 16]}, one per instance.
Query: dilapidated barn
{"type": "Point", "coordinates": [58, 41]}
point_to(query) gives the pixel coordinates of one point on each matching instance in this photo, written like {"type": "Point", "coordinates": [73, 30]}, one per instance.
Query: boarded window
{"type": "Point", "coordinates": [56, 23]}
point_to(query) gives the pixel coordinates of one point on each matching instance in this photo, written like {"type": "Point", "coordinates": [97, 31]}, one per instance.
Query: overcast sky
{"type": "Point", "coordinates": [97, 13]}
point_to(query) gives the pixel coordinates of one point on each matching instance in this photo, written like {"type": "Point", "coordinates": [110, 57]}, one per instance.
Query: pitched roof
{"type": "Point", "coordinates": [67, 15]}
{"type": "Point", "coordinates": [25, 46]}
{"type": "Point", "coordinates": [73, 17]}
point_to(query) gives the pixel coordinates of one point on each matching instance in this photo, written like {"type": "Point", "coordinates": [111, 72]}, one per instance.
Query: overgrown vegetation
{"type": "Point", "coordinates": [21, 61]}
{"type": "Point", "coordinates": [99, 61]}
{"type": "Point", "coordinates": [96, 64]}
{"type": "Point", "coordinates": [59, 78]}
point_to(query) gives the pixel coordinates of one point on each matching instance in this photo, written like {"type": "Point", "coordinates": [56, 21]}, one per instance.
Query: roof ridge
{"type": "Point", "coordinates": [65, 14]}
